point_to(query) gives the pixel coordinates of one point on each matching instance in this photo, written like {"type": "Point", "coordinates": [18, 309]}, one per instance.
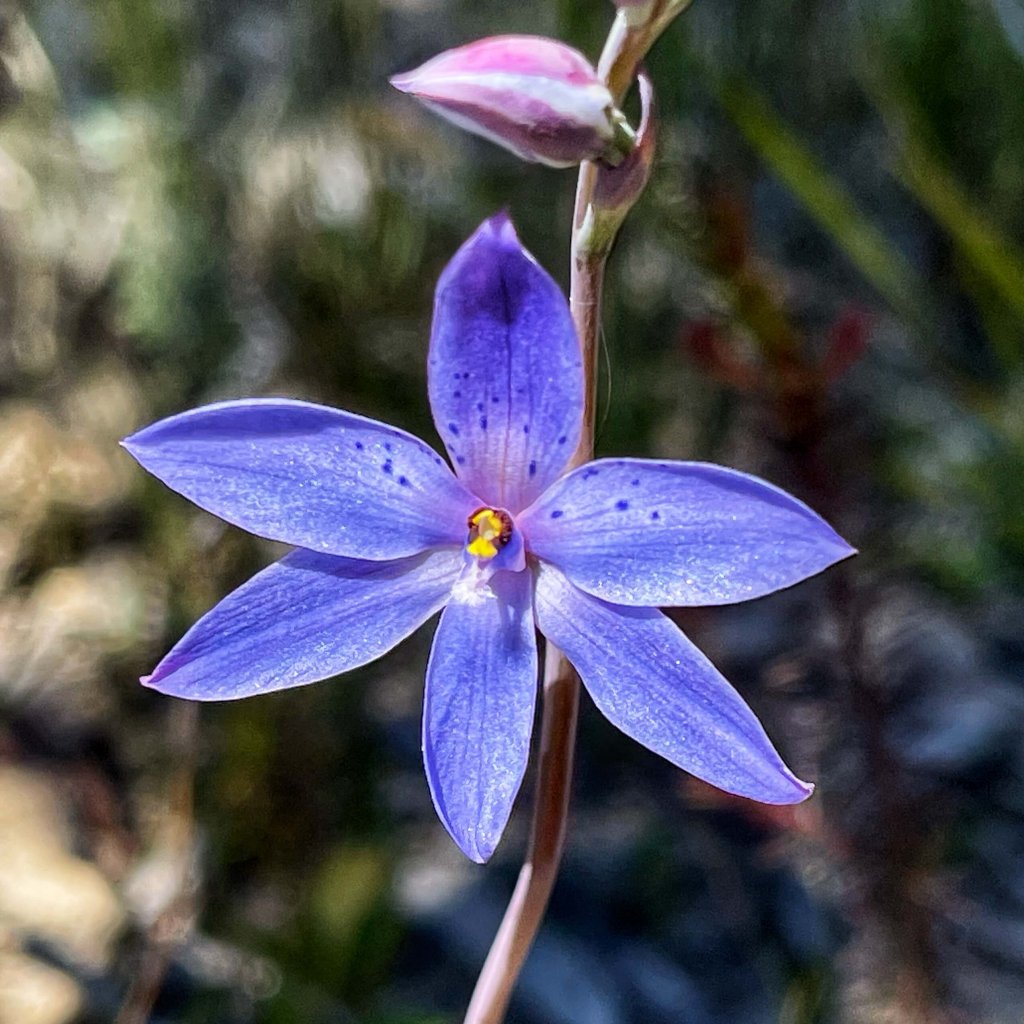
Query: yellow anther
{"type": "Point", "coordinates": [481, 548]}
{"type": "Point", "coordinates": [489, 531]}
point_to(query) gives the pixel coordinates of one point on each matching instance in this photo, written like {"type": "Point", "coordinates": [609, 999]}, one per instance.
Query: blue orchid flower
{"type": "Point", "coordinates": [507, 544]}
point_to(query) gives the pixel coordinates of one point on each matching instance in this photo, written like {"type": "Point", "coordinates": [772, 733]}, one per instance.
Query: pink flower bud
{"type": "Point", "coordinates": [534, 96]}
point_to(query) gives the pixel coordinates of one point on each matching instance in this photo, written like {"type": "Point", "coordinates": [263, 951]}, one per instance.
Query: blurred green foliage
{"type": "Point", "coordinates": [208, 200]}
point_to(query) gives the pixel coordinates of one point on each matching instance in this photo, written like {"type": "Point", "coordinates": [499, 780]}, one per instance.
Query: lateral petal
{"type": "Point", "coordinates": [309, 475]}
{"type": "Point", "coordinates": [305, 618]}
{"type": "Point", "coordinates": [651, 682]}
{"type": "Point", "coordinates": [505, 372]}
{"type": "Point", "coordinates": [642, 532]}
{"type": "Point", "coordinates": [478, 710]}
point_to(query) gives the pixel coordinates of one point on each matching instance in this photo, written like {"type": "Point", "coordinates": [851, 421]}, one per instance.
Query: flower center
{"type": "Point", "coordinates": [489, 531]}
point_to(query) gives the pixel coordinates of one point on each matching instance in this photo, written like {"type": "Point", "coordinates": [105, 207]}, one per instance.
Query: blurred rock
{"type": "Point", "coordinates": [50, 895]}
{"type": "Point", "coordinates": [45, 890]}
{"type": "Point", "coordinates": [666, 992]}
{"type": "Point", "coordinates": [56, 639]}
{"type": "Point", "coordinates": [33, 993]}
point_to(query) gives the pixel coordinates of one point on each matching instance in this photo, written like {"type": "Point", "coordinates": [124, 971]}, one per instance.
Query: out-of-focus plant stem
{"type": "Point", "coordinates": [171, 927]}
{"type": "Point", "coordinates": [625, 48]}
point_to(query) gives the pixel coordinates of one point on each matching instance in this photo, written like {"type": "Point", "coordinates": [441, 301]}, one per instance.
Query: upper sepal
{"type": "Point", "coordinates": [505, 372]}
{"type": "Point", "coordinates": [535, 96]}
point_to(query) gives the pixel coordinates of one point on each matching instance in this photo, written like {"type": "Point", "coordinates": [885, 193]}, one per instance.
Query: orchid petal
{"type": "Point", "coordinates": [308, 475]}
{"type": "Point", "coordinates": [649, 680]}
{"type": "Point", "coordinates": [478, 709]}
{"type": "Point", "coordinates": [505, 371]}
{"type": "Point", "coordinates": [305, 618]}
{"type": "Point", "coordinates": [639, 532]}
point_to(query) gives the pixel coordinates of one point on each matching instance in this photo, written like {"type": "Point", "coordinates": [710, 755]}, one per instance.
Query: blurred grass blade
{"type": "Point", "coordinates": [991, 265]}
{"type": "Point", "coordinates": [825, 198]}
{"type": "Point", "coordinates": [980, 242]}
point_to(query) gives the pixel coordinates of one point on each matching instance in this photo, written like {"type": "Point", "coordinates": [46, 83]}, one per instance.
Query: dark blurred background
{"type": "Point", "coordinates": [824, 285]}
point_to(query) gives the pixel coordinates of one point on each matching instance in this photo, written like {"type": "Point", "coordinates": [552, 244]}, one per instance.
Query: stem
{"type": "Point", "coordinates": [560, 704]}
{"type": "Point", "coordinates": [537, 876]}
{"type": "Point", "coordinates": [171, 928]}
{"type": "Point", "coordinates": [624, 50]}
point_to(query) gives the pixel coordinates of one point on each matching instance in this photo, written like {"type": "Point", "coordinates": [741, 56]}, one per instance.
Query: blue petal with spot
{"type": "Point", "coordinates": [640, 532]}
{"type": "Point", "coordinates": [309, 475]}
{"type": "Point", "coordinates": [505, 371]}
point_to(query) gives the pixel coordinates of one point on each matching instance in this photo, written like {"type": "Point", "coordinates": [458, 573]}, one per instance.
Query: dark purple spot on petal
{"type": "Point", "coordinates": [388, 467]}
{"type": "Point", "coordinates": [635, 483]}
{"type": "Point", "coordinates": [456, 394]}
{"type": "Point", "coordinates": [526, 428]}
{"type": "Point", "coordinates": [655, 515]}
{"type": "Point", "coordinates": [533, 469]}
{"type": "Point", "coordinates": [563, 439]}
{"type": "Point", "coordinates": [479, 406]}
{"type": "Point", "coordinates": [483, 422]}
{"type": "Point", "coordinates": [454, 428]}
{"type": "Point", "coordinates": [588, 473]}
{"type": "Point", "coordinates": [387, 447]}
{"type": "Point", "coordinates": [456, 375]}
{"type": "Point", "coordinates": [439, 460]}
{"type": "Point", "coordinates": [495, 399]}
{"type": "Point", "coordinates": [460, 459]}
{"type": "Point", "coordinates": [359, 446]}
{"type": "Point", "coordinates": [465, 376]}
{"type": "Point", "coordinates": [404, 481]}
{"type": "Point", "coordinates": [622, 505]}
{"type": "Point", "coordinates": [557, 514]}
